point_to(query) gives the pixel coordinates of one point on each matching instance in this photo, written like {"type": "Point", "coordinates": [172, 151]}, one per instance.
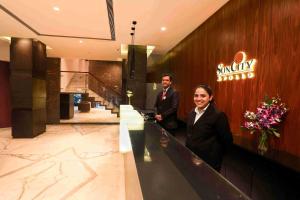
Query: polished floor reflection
{"type": "Point", "coordinates": [96, 115]}
{"type": "Point", "coordinates": [66, 162]}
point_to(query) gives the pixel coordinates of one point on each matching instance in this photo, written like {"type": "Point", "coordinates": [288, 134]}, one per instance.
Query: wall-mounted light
{"type": "Point", "coordinates": [5, 38]}
{"type": "Point", "coordinates": [124, 50]}
{"type": "Point", "coordinates": [150, 49]}
{"type": "Point", "coordinates": [154, 86]}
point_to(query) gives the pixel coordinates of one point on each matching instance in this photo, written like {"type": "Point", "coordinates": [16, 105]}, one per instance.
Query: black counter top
{"type": "Point", "coordinates": [168, 170]}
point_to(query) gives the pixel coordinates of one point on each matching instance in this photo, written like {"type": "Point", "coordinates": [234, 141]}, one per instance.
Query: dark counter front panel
{"type": "Point", "coordinates": [66, 105]}
{"type": "Point", "coordinates": [273, 175]}
{"type": "Point", "coordinates": [159, 178]}
{"type": "Point", "coordinates": [168, 170]}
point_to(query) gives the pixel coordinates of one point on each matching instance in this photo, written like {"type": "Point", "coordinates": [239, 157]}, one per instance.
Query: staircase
{"type": "Point", "coordinates": [77, 83]}
{"type": "Point", "coordinates": [83, 82]}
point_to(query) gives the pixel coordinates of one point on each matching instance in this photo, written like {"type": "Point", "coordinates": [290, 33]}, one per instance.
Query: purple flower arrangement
{"type": "Point", "coordinates": [269, 114]}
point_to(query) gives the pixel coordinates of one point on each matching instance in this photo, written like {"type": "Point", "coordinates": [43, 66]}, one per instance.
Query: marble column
{"type": "Point", "coordinates": [28, 87]}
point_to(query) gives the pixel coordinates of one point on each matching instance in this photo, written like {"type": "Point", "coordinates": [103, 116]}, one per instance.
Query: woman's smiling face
{"type": "Point", "coordinates": [201, 98]}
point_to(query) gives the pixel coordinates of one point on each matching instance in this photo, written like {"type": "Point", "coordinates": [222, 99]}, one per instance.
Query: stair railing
{"type": "Point", "coordinates": [111, 95]}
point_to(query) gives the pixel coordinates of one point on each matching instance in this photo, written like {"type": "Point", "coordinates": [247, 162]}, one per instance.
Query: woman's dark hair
{"type": "Point", "coordinates": [208, 89]}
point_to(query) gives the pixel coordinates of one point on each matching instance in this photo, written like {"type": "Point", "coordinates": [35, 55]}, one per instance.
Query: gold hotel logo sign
{"type": "Point", "coordinates": [241, 68]}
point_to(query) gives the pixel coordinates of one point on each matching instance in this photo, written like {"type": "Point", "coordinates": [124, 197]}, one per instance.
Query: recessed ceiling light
{"type": "Point", "coordinates": [56, 8]}
{"type": "Point", "coordinates": [5, 38]}
{"type": "Point", "coordinates": [80, 41]}
{"type": "Point", "coordinates": [163, 28]}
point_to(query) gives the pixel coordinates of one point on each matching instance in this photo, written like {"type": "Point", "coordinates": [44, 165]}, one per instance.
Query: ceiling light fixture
{"type": "Point", "coordinates": [56, 8]}
{"type": "Point", "coordinates": [133, 32]}
{"type": "Point", "coordinates": [80, 41]}
{"type": "Point", "coordinates": [5, 38]}
{"type": "Point", "coordinates": [163, 28]}
{"type": "Point", "coordinates": [131, 58]}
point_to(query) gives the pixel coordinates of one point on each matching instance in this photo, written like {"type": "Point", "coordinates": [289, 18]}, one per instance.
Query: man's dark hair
{"type": "Point", "coordinates": [169, 75]}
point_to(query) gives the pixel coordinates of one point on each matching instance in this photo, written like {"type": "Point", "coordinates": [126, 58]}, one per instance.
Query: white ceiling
{"type": "Point", "coordinates": [89, 19]}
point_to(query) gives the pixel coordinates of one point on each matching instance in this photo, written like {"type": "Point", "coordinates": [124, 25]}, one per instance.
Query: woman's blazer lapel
{"type": "Point", "coordinates": [206, 114]}
{"type": "Point", "coordinates": [192, 118]}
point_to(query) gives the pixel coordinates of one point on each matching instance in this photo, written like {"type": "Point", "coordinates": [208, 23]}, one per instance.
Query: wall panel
{"type": "Point", "coordinates": [53, 90]}
{"type": "Point", "coordinates": [5, 104]}
{"type": "Point", "coordinates": [266, 30]}
{"type": "Point", "coordinates": [109, 72]}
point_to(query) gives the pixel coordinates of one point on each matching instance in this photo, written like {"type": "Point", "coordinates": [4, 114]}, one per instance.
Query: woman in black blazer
{"type": "Point", "coordinates": [208, 131]}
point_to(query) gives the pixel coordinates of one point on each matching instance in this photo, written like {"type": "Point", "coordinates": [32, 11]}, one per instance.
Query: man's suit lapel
{"type": "Point", "coordinates": [160, 95]}
{"type": "Point", "coordinates": [169, 92]}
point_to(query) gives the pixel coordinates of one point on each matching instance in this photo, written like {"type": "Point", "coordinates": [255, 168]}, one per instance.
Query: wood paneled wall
{"type": "Point", "coordinates": [267, 31]}
{"type": "Point", "coordinates": [5, 105]}
{"type": "Point", "coordinates": [109, 72]}
{"type": "Point", "coordinates": [53, 90]}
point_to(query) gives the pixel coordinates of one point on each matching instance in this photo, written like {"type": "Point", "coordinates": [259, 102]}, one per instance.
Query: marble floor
{"type": "Point", "coordinates": [96, 115]}
{"type": "Point", "coordinates": [76, 162]}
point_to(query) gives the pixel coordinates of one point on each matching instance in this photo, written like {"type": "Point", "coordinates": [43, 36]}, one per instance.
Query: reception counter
{"type": "Point", "coordinates": [166, 169]}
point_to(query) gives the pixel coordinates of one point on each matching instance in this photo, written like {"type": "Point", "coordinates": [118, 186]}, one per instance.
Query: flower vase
{"type": "Point", "coordinates": [263, 142]}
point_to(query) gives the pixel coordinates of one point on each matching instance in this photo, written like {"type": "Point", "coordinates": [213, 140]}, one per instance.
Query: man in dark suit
{"type": "Point", "coordinates": [166, 105]}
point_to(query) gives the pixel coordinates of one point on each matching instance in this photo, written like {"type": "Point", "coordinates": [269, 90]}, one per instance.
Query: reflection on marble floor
{"type": "Point", "coordinates": [95, 115]}
{"type": "Point", "coordinates": [66, 162]}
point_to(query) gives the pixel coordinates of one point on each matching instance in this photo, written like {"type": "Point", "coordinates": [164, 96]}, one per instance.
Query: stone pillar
{"type": "Point", "coordinates": [28, 87]}
{"type": "Point", "coordinates": [136, 71]}
{"type": "Point", "coordinates": [53, 90]}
